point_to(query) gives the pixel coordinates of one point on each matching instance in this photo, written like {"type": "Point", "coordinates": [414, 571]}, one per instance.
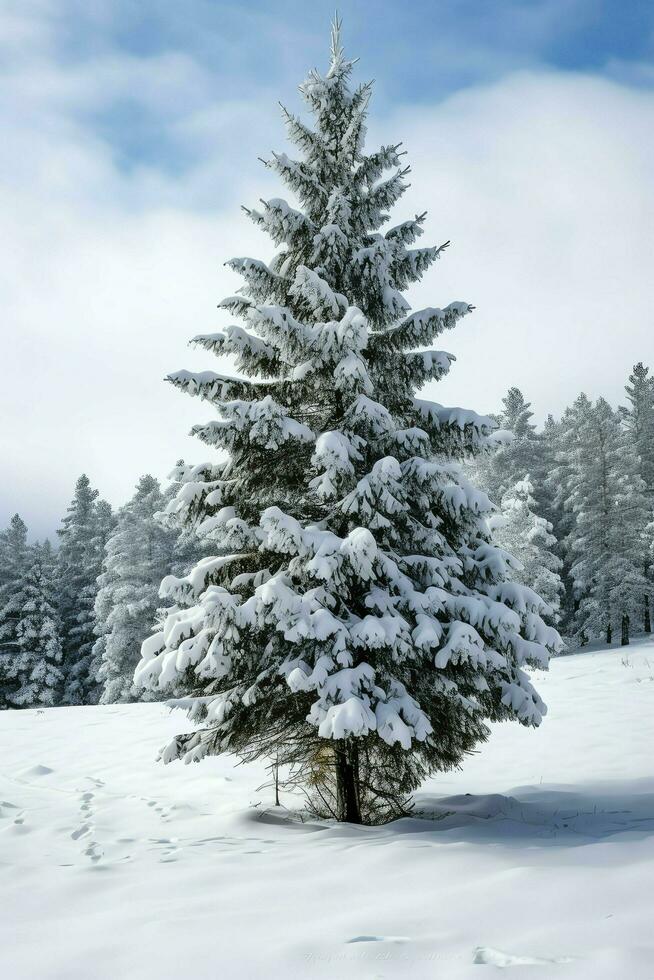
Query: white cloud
{"type": "Point", "coordinates": [542, 181]}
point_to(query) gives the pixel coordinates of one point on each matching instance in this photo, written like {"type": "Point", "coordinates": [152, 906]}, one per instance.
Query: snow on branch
{"type": "Point", "coordinates": [310, 142]}
{"type": "Point", "coordinates": [262, 283]}
{"type": "Point", "coordinates": [420, 328]}
{"type": "Point", "coordinates": [298, 176]}
{"type": "Point", "coordinates": [283, 223]}
{"type": "Point", "coordinates": [254, 356]}
{"type": "Point", "coordinates": [213, 387]}
{"type": "Point", "coordinates": [381, 198]}
{"type": "Point", "coordinates": [458, 418]}
{"type": "Point", "coordinates": [316, 294]}
{"type": "Point", "coordinates": [262, 423]}
{"type": "Point", "coordinates": [408, 267]}
{"type": "Point", "coordinates": [408, 231]}
{"type": "Point", "coordinates": [372, 167]}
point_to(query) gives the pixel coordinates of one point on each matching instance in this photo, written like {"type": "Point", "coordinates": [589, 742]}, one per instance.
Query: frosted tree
{"type": "Point", "coordinates": [560, 438]}
{"type": "Point", "coordinates": [354, 620]}
{"type": "Point", "coordinates": [138, 555]}
{"type": "Point", "coordinates": [638, 418]}
{"type": "Point", "coordinates": [607, 539]}
{"type": "Point", "coordinates": [39, 654]}
{"type": "Point", "coordinates": [14, 557]}
{"type": "Point", "coordinates": [509, 459]}
{"type": "Point", "coordinates": [545, 465]}
{"type": "Point", "coordinates": [516, 414]}
{"type": "Point", "coordinates": [83, 535]}
{"type": "Point", "coordinates": [529, 539]}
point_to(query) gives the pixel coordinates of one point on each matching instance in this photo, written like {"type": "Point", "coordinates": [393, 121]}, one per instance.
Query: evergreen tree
{"type": "Point", "coordinates": [38, 662]}
{"type": "Point", "coordinates": [83, 536]}
{"type": "Point", "coordinates": [545, 465]}
{"type": "Point", "coordinates": [14, 557]}
{"type": "Point", "coordinates": [560, 440]}
{"type": "Point", "coordinates": [517, 414]}
{"type": "Point", "coordinates": [529, 539]}
{"type": "Point", "coordinates": [607, 539]}
{"type": "Point", "coordinates": [639, 420]}
{"type": "Point", "coordinates": [355, 620]}
{"type": "Point", "coordinates": [138, 555]}
{"type": "Point", "coordinates": [509, 459]}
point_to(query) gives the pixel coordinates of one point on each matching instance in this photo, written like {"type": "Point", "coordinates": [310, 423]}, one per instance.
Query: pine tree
{"type": "Point", "coordinates": [83, 536]}
{"type": "Point", "coordinates": [509, 459]}
{"type": "Point", "coordinates": [560, 440]}
{"type": "Point", "coordinates": [548, 440]}
{"type": "Point", "coordinates": [355, 620]}
{"type": "Point", "coordinates": [639, 422]}
{"type": "Point", "coordinates": [639, 419]}
{"type": "Point", "coordinates": [607, 538]}
{"type": "Point", "coordinates": [517, 414]}
{"type": "Point", "coordinates": [138, 555]}
{"type": "Point", "coordinates": [529, 539]}
{"type": "Point", "coordinates": [38, 662]}
{"type": "Point", "coordinates": [14, 557]}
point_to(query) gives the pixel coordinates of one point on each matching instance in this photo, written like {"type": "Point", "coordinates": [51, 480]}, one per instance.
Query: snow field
{"type": "Point", "coordinates": [538, 857]}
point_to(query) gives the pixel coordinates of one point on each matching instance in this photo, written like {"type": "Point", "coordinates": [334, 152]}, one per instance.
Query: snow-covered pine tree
{"type": "Point", "coordinates": [638, 418]}
{"type": "Point", "coordinates": [517, 414]}
{"type": "Point", "coordinates": [138, 555]}
{"type": "Point", "coordinates": [529, 539]}
{"type": "Point", "coordinates": [83, 535]}
{"type": "Point", "coordinates": [548, 441]}
{"type": "Point", "coordinates": [560, 438]}
{"type": "Point", "coordinates": [355, 620]}
{"type": "Point", "coordinates": [38, 662]}
{"type": "Point", "coordinates": [607, 538]}
{"type": "Point", "coordinates": [499, 470]}
{"type": "Point", "coordinates": [14, 557]}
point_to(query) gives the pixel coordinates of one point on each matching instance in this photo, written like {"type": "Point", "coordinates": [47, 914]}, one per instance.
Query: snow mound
{"type": "Point", "coordinates": [494, 957]}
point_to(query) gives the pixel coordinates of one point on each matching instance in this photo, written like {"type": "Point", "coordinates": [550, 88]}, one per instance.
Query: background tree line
{"type": "Point", "coordinates": [72, 620]}
{"type": "Point", "coordinates": [575, 508]}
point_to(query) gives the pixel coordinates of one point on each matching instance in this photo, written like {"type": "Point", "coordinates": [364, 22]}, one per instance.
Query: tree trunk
{"type": "Point", "coordinates": [609, 632]}
{"type": "Point", "coordinates": [346, 764]}
{"type": "Point", "coordinates": [624, 638]}
{"type": "Point", "coordinates": [647, 621]}
{"type": "Point", "coordinates": [276, 771]}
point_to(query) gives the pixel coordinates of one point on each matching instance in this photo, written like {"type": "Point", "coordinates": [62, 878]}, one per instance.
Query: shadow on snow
{"type": "Point", "coordinates": [529, 816]}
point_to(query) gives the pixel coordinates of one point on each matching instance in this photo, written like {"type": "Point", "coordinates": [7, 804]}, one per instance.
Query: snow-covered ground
{"type": "Point", "coordinates": [541, 859]}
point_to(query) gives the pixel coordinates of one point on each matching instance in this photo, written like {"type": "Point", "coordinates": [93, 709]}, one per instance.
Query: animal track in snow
{"type": "Point", "coordinates": [93, 849]}
{"type": "Point", "coordinates": [6, 805]}
{"type": "Point", "coordinates": [81, 831]}
{"type": "Point", "coordinates": [158, 808]}
{"type": "Point", "coordinates": [85, 805]}
{"type": "Point", "coordinates": [93, 852]}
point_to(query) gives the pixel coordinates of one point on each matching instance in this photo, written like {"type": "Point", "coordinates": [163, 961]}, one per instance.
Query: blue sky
{"type": "Point", "coordinates": [419, 51]}
{"type": "Point", "coordinates": [129, 137]}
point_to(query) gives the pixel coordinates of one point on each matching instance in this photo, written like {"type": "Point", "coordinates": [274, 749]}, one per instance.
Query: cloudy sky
{"type": "Point", "coordinates": [130, 131]}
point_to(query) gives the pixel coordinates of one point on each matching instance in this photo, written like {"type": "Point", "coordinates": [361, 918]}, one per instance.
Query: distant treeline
{"type": "Point", "coordinates": [575, 507]}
